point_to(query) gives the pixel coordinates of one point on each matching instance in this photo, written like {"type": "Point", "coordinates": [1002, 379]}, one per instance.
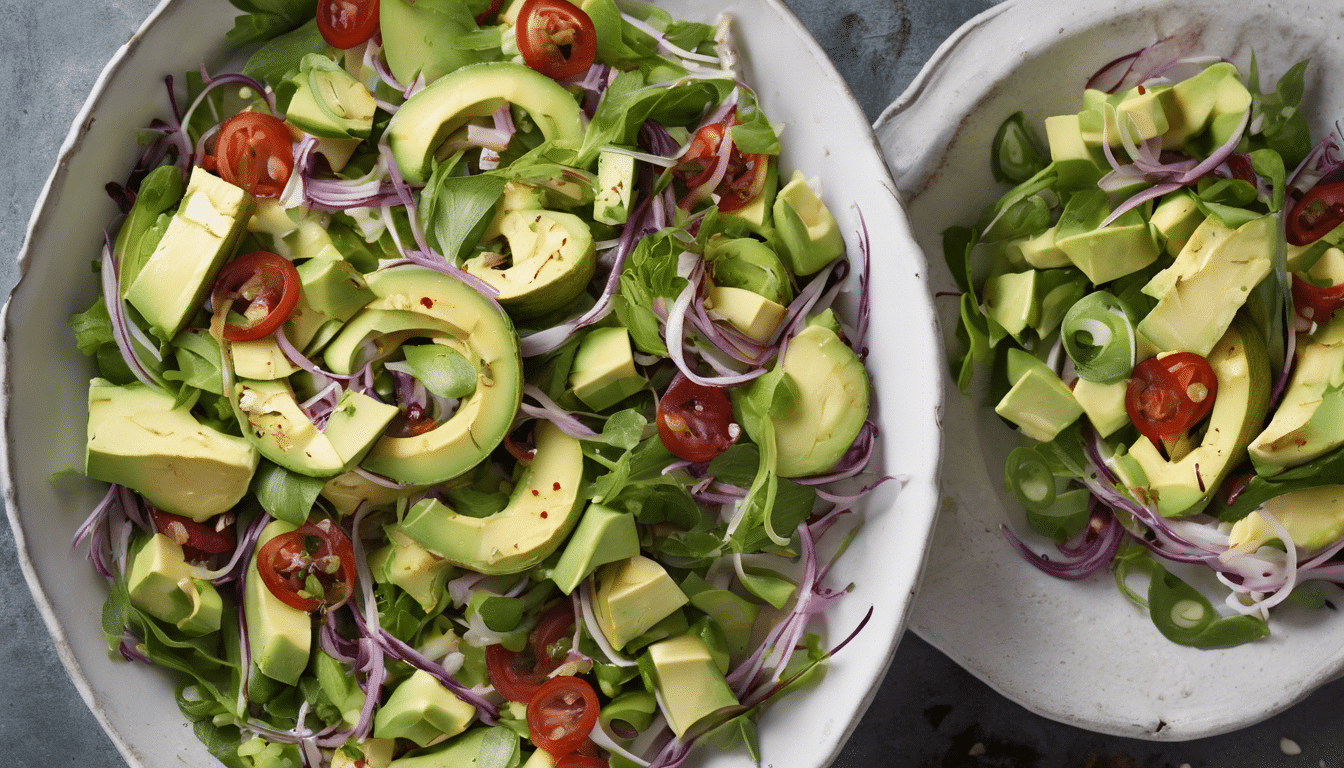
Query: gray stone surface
{"type": "Point", "coordinates": [928, 713]}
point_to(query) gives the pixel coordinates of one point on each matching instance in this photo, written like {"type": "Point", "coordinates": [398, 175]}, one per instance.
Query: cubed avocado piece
{"type": "Point", "coordinates": [632, 596]}
{"type": "Point", "coordinates": [261, 359]}
{"type": "Point", "coordinates": [755, 316]}
{"type": "Point", "coordinates": [1176, 219]}
{"type": "Point", "coordinates": [1038, 402]}
{"type": "Point", "coordinates": [615, 187]}
{"type": "Point", "coordinates": [139, 439]}
{"type": "Point", "coordinates": [1011, 300]}
{"type": "Point", "coordinates": [420, 709]}
{"type": "Point", "coordinates": [200, 237]}
{"type": "Point", "coordinates": [326, 101]}
{"type": "Point", "coordinates": [1189, 103]}
{"type": "Point", "coordinates": [1104, 404]}
{"type": "Point", "coordinates": [692, 688]}
{"type": "Point", "coordinates": [419, 572]}
{"type": "Point", "coordinates": [1229, 111]}
{"type": "Point", "coordinates": [808, 234]}
{"type": "Point", "coordinates": [1207, 286]}
{"type": "Point", "coordinates": [757, 215]}
{"type": "Point", "coordinates": [1104, 253]}
{"type": "Point", "coordinates": [1314, 519]}
{"type": "Point", "coordinates": [1140, 112]}
{"type": "Point", "coordinates": [1309, 420]}
{"type": "Point", "coordinates": [1075, 161]}
{"type": "Point", "coordinates": [603, 373]}
{"type": "Point", "coordinates": [1327, 269]}
{"type": "Point", "coordinates": [604, 535]}
{"type": "Point", "coordinates": [1183, 487]}
{"type": "Point", "coordinates": [279, 635]}
{"type": "Point", "coordinates": [552, 259]}
{"type": "Point", "coordinates": [332, 285]}
{"type": "Point", "coordinates": [160, 583]}
{"type": "Point", "coordinates": [1039, 251]}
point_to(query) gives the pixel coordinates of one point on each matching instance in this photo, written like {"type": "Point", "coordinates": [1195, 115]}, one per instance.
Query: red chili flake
{"type": "Point", "coordinates": [543, 514]}
{"type": "Point", "coordinates": [426, 302]}
{"type": "Point", "coordinates": [535, 492]}
{"type": "Point", "coordinates": [1142, 90]}
{"type": "Point", "coordinates": [555, 487]}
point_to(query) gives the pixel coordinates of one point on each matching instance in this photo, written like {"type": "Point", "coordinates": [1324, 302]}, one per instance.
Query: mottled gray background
{"type": "Point", "coordinates": [928, 713]}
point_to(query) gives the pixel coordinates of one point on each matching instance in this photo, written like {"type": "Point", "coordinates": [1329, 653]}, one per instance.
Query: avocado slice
{"type": "Point", "coordinates": [1184, 487]}
{"type": "Point", "coordinates": [477, 90]}
{"type": "Point", "coordinates": [1310, 418]}
{"type": "Point", "coordinates": [1211, 278]}
{"type": "Point", "coordinates": [541, 512]}
{"type": "Point", "coordinates": [832, 404]}
{"type": "Point", "coordinates": [553, 258]}
{"type": "Point", "coordinates": [280, 636]}
{"type": "Point", "coordinates": [1314, 519]}
{"type": "Point", "coordinates": [413, 301]}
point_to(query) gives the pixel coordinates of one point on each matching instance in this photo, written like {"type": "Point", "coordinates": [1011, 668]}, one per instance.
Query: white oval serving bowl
{"type": "Point", "coordinates": [45, 377]}
{"type": "Point", "coordinates": [1078, 652]}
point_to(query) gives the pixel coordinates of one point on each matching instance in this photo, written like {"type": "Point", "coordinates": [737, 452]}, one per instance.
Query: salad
{"type": "Point", "coordinates": [469, 391]}
{"type": "Point", "coordinates": [1155, 301]}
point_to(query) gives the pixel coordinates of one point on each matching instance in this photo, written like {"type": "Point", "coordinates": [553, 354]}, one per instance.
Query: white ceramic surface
{"type": "Point", "coordinates": [1079, 652]}
{"type": "Point", "coordinates": [45, 377]}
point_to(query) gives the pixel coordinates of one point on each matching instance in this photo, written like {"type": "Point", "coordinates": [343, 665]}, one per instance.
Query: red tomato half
{"type": "Point", "coordinates": [562, 714]}
{"type": "Point", "coordinates": [206, 538]}
{"type": "Point", "coordinates": [695, 422]}
{"type": "Point", "coordinates": [1168, 395]}
{"type": "Point", "coordinates": [1320, 210]}
{"type": "Point", "coordinates": [742, 180]}
{"type": "Point", "coordinates": [518, 676]}
{"type": "Point", "coordinates": [256, 152]}
{"type": "Point", "coordinates": [347, 23]}
{"type": "Point", "coordinates": [1316, 304]}
{"type": "Point", "coordinates": [262, 287]}
{"type": "Point", "coordinates": [309, 568]}
{"type": "Point", "coordinates": [556, 38]}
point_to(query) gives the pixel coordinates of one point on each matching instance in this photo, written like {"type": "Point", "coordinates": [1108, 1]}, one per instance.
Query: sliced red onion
{"type": "Point", "coordinates": [666, 45]}
{"type": "Point", "coordinates": [552, 412]}
{"type": "Point", "coordinates": [120, 324]}
{"type": "Point", "coordinates": [1091, 551]}
{"type": "Point", "coordinates": [701, 193]}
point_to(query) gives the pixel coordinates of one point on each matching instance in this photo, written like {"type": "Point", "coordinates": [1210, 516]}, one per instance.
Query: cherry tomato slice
{"type": "Point", "coordinates": [256, 152]}
{"type": "Point", "coordinates": [695, 422]}
{"type": "Point", "coordinates": [1316, 304]}
{"type": "Point", "coordinates": [556, 38]}
{"type": "Point", "coordinates": [206, 538]}
{"type": "Point", "coordinates": [347, 23]}
{"type": "Point", "coordinates": [742, 180]}
{"type": "Point", "coordinates": [1320, 210]}
{"type": "Point", "coordinates": [517, 676]}
{"type": "Point", "coordinates": [262, 287]}
{"type": "Point", "coordinates": [313, 555]}
{"type": "Point", "coordinates": [1170, 394]}
{"type": "Point", "coordinates": [575, 760]}
{"type": "Point", "coordinates": [562, 714]}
